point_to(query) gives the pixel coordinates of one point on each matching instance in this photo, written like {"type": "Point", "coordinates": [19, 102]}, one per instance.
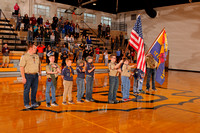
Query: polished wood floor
{"type": "Point", "coordinates": [173, 108]}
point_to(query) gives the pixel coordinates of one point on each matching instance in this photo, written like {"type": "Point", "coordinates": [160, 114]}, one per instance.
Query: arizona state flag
{"type": "Point", "coordinates": [159, 52]}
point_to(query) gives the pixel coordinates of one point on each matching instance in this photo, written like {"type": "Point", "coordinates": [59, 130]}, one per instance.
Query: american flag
{"type": "Point", "coordinates": [136, 41]}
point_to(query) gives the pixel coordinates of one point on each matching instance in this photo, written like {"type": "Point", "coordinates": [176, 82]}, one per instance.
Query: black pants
{"type": "Point", "coordinates": [75, 57]}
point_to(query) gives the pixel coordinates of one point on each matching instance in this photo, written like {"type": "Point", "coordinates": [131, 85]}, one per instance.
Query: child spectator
{"type": "Point", "coordinates": [40, 49]}
{"type": "Point", "coordinates": [5, 51]}
{"type": "Point", "coordinates": [106, 57]}
{"type": "Point", "coordinates": [97, 54]}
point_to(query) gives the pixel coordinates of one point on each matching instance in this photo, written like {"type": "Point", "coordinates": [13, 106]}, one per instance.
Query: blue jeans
{"type": "Point", "coordinates": [80, 88]}
{"type": "Point", "coordinates": [97, 58]}
{"type": "Point", "coordinates": [48, 86]}
{"type": "Point", "coordinates": [31, 82]}
{"type": "Point", "coordinates": [114, 85]}
{"type": "Point", "coordinates": [151, 72]}
{"type": "Point", "coordinates": [89, 87]}
{"type": "Point", "coordinates": [125, 86]}
{"type": "Point", "coordinates": [137, 85]}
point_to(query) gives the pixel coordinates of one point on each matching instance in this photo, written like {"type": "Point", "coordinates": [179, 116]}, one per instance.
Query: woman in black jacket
{"type": "Point", "coordinates": [26, 22]}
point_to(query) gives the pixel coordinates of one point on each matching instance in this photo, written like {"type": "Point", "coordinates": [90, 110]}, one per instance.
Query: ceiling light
{"type": "Point", "coordinates": [94, 4]}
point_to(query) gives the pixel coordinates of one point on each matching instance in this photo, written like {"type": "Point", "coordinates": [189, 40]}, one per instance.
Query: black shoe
{"type": "Point", "coordinates": [48, 105]}
{"type": "Point", "coordinates": [147, 89]}
{"type": "Point", "coordinates": [54, 104]}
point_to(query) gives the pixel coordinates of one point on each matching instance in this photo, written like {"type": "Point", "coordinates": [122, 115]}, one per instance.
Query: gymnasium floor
{"type": "Point", "coordinates": [175, 107]}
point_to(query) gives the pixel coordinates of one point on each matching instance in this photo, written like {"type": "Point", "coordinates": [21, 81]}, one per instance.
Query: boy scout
{"type": "Point", "coordinates": [113, 79]}
{"type": "Point", "coordinates": [52, 70]}
{"type": "Point", "coordinates": [30, 68]}
{"type": "Point", "coordinates": [67, 76]}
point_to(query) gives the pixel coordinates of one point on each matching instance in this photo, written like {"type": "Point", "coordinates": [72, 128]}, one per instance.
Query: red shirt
{"type": "Point", "coordinates": [97, 50]}
{"type": "Point", "coordinates": [40, 49]}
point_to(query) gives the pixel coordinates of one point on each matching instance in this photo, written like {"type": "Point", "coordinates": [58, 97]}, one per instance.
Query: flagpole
{"type": "Point", "coordinates": [154, 41]}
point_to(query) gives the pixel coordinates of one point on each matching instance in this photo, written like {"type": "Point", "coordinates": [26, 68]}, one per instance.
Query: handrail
{"type": "Point", "coordinates": [6, 19]}
{"type": "Point", "coordinates": [92, 31]}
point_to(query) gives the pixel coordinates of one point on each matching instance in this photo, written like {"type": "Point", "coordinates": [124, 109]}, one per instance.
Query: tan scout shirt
{"type": "Point", "coordinates": [126, 70]}
{"type": "Point", "coordinates": [112, 69]}
{"type": "Point", "coordinates": [31, 63]}
{"type": "Point", "coordinates": [151, 62]}
{"type": "Point", "coordinates": [51, 69]}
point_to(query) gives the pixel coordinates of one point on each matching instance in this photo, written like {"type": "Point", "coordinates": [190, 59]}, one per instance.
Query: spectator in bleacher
{"type": "Point", "coordinates": [64, 48]}
{"type": "Point", "coordinates": [66, 26]}
{"type": "Point", "coordinates": [56, 52]}
{"type": "Point", "coordinates": [89, 40]}
{"type": "Point", "coordinates": [52, 39]}
{"type": "Point", "coordinates": [85, 53]}
{"type": "Point", "coordinates": [71, 42]}
{"type": "Point", "coordinates": [26, 22]}
{"type": "Point", "coordinates": [107, 38]}
{"type": "Point", "coordinates": [47, 37]}
{"type": "Point", "coordinates": [71, 29]}
{"type": "Point", "coordinates": [99, 30]}
{"type": "Point", "coordinates": [55, 20]}
{"type": "Point", "coordinates": [16, 8]}
{"type": "Point", "coordinates": [104, 31]}
{"type": "Point", "coordinates": [132, 56]}
{"type": "Point", "coordinates": [57, 35]}
{"type": "Point", "coordinates": [122, 54]}
{"type": "Point", "coordinates": [66, 40]}
{"type": "Point", "coordinates": [19, 21]}
{"type": "Point", "coordinates": [30, 35]}
{"type": "Point", "coordinates": [40, 49]}
{"type": "Point", "coordinates": [116, 42]}
{"type": "Point", "coordinates": [5, 51]}
{"type": "Point", "coordinates": [30, 24]}
{"type": "Point", "coordinates": [48, 53]}
{"type": "Point", "coordinates": [77, 31]}
{"type": "Point", "coordinates": [128, 54]}
{"type": "Point", "coordinates": [33, 19]}
{"type": "Point", "coordinates": [118, 54]}
{"type": "Point", "coordinates": [53, 25]}
{"type": "Point", "coordinates": [63, 32]}
{"type": "Point", "coordinates": [39, 36]}
{"type": "Point", "coordinates": [75, 51]}
{"type": "Point", "coordinates": [121, 38]}
{"type": "Point", "coordinates": [112, 43]}
{"type": "Point", "coordinates": [35, 31]}
{"type": "Point", "coordinates": [61, 18]}
{"type": "Point", "coordinates": [97, 54]}
{"type": "Point", "coordinates": [47, 25]}
{"type": "Point", "coordinates": [125, 39]}
{"type": "Point", "coordinates": [63, 57]}
{"type": "Point", "coordinates": [60, 25]}
{"type": "Point", "coordinates": [106, 57]}
{"type": "Point", "coordinates": [84, 33]}
{"type": "Point", "coordinates": [108, 29]}
{"type": "Point", "coordinates": [80, 55]}
{"type": "Point", "coordinates": [91, 51]}
{"type": "Point", "coordinates": [40, 20]}
{"type": "Point", "coordinates": [104, 50]}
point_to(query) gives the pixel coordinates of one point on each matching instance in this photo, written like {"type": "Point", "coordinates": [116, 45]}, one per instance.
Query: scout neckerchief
{"type": "Point", "coordinates": [53, 77]}
{"type": "Point", "coordinates": [70, 71]}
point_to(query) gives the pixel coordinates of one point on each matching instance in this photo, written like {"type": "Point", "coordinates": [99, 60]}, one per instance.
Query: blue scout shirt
{"type": "Point", "coordinates": [89, 66]}
{"type": "Point", "coordinates": [68, 73]}
{"type": "Point", "coordinates": [80, 74]}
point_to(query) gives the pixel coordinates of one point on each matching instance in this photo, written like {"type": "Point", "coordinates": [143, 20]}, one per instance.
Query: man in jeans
{"type": "Point", "coordinates": [113, 79]}
{"type": "Point", "coordinates": [30, 67]}
{"type": "Point", "coordinates": [89, 79]}
{"type": "Point", "coordinates": [52, 70]}
{"type": "Point", "coordinates": [151, 71]}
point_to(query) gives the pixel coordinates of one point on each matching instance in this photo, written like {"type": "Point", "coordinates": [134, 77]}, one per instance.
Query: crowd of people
{"type": "Point", "coordinates": [30, 68]}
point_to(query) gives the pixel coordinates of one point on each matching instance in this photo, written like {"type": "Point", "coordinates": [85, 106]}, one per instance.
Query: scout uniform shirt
{"type": "Point", "coordinates": [89, 66]}
{"type": "Point", "coordinates": [80, 73]}
{"type": "Point", "coordinates": [113, 71]}
{"type": "Point", "coordinates": [49, 68]}
{"type": "Point", "coordinates": [68, 73]}
{"type": "Point", "coordinates": [151, 62]}
{"type": "Point", "coordinates": [31, 63]}
{"type": "Point", "coordinates": [126, 70]}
